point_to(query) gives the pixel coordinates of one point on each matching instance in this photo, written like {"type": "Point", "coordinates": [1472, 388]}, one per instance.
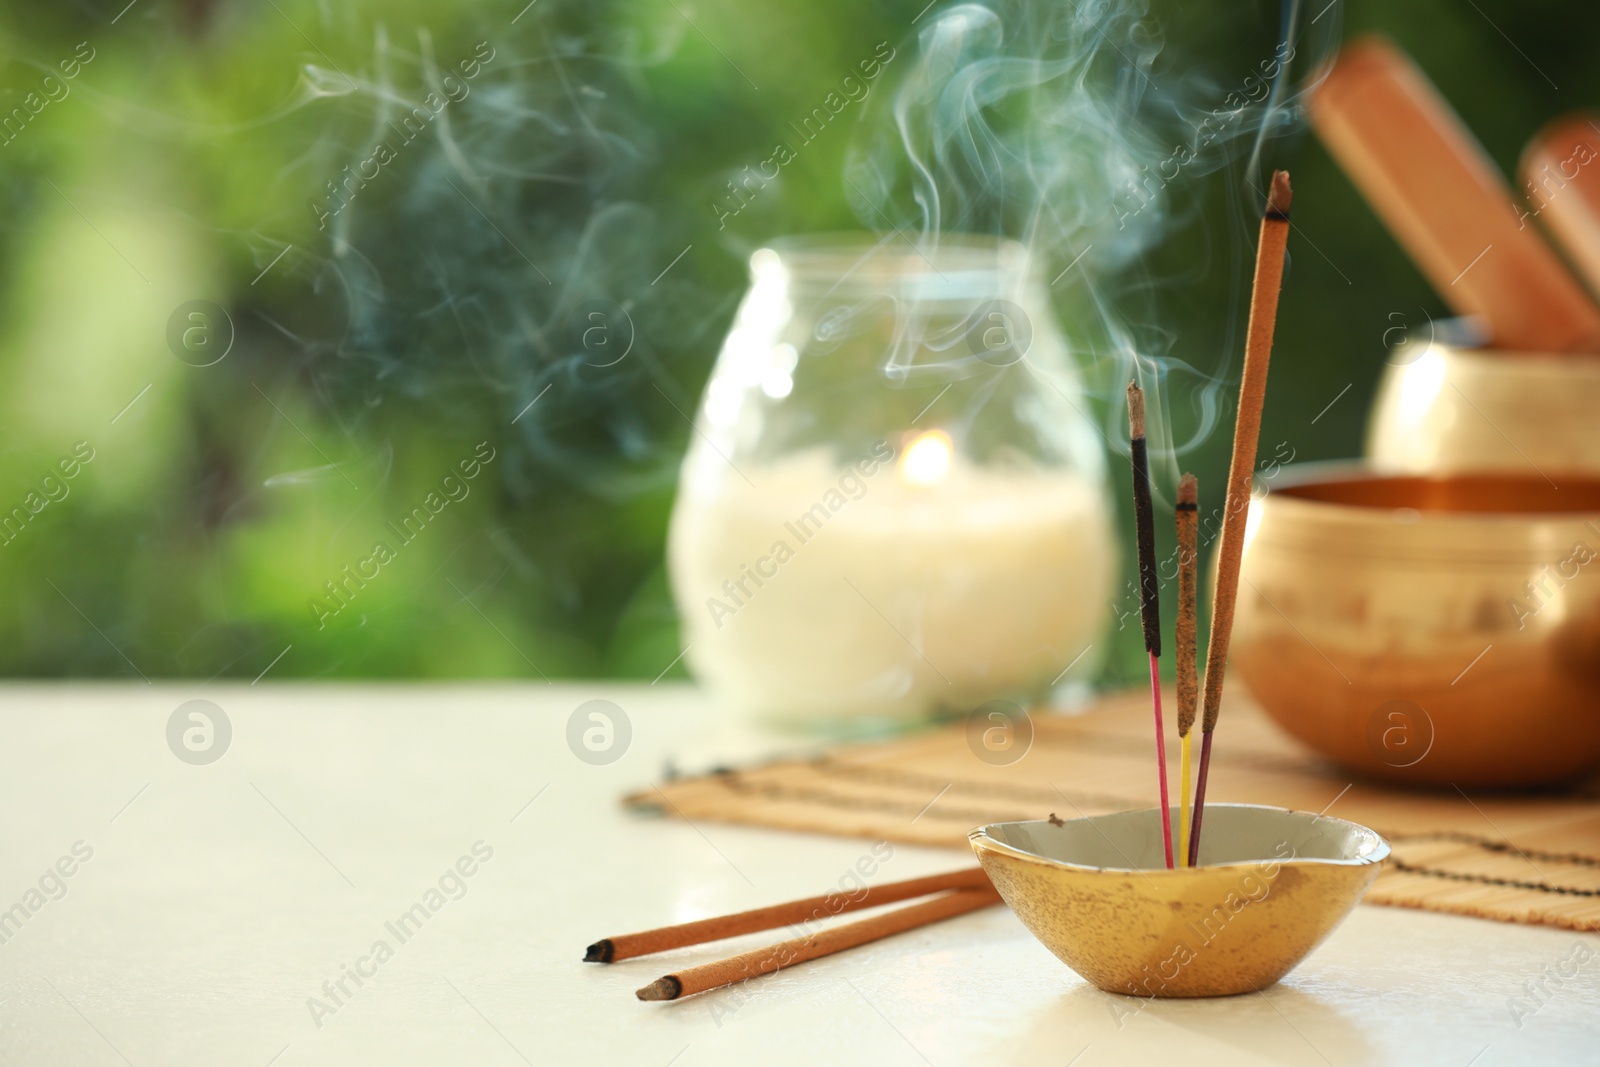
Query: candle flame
{"type": "Point", "coordinates": [926, 459]}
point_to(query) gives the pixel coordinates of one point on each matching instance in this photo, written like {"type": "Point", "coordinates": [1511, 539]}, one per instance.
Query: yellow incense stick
{"type": "Point", "coordinates": [1183, 802]}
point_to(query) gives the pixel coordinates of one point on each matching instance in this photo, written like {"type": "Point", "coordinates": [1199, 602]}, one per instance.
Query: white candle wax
{"type": "Point", "coordinates": [894, 586]}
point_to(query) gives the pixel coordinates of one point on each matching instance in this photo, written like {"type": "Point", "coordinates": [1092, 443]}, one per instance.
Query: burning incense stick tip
{"type": "Point", "coordinates": [1188, 492]}
{"type": "Point", "coordinates": [599, 952]}
{"type": "Point", "coordinates": [666, 988]}
{"type": "Point", "coordinates": [1279, 198]}
{"type": "Point", "coordinates": [1144, 523]}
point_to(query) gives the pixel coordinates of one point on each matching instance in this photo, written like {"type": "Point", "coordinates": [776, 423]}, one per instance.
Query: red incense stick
{"type": "Point", "coordinates": [1149, 590]}
{"type": "Point", "coordinates": [1161, 758]}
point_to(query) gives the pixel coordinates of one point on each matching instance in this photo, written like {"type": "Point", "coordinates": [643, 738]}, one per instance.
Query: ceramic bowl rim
{"type": "Point", "coordinates": [1524, 362]}
{"type": "Point", "coordinates": [981, 838]}
{"type": "Point", "coordinates": [1317, 472]}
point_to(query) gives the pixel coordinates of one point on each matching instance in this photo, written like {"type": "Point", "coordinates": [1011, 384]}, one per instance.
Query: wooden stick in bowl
{"type": "Point", "coordinates": [1436, 189]}
{"type": "Point", "coordinates": [644, 943]}
{"type": "Point", "coordinates": [1265, 288]}
{"type": "Point", "coordinates": [1560, 173]}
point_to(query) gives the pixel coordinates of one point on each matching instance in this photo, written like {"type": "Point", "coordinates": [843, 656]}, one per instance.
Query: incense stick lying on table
{"type": "Point", "coordinates": [1149, 590]}
{"type": "Point", "coordinates": [761, 961]}
{"type": "Point", "coordinates": [1188, 515]}
{"type": "Point", "coordinates": [1236, 506]}
{"type": "Point", "coordinates": [644, 943]}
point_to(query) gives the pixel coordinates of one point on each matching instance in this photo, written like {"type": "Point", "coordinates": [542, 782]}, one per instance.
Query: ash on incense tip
{"type": "Point", "coordinates": [1280, 196]}
{"type": "Point", "coordinates": [667, 988]}
{"type": "Point", "coordinates": [1136, 410]}
{"type": "Point", "coordinates": [1145, 523]}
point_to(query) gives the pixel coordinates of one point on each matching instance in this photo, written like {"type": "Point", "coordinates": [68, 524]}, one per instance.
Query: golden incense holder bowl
{"type": "Point", "coordinates": [1443, 409]}
{"type": "Point", "coordinates": [1271, 886]}
{"type": "Point", "coordinates": [1441, 630]}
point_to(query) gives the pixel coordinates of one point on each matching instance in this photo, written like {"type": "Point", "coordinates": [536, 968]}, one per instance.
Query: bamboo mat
{"type": "Point", "coordinates": [1529, 858]}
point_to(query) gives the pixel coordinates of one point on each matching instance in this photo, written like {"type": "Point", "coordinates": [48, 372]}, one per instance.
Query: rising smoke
{"type": "Point", "coordinates": [518, 236]}
{"type": "Point", "coordinates": [1077, 129]}
{"type": "Point", "coordinates": [463, 279]}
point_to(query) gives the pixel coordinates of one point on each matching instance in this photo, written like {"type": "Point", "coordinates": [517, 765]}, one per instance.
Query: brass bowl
{"type": "Point", "coordinates": [1440, 630]}
{"type": "Point", "coordinates": [1272, 884]}
{"type": "Point", "coordinates": [1441, 409]}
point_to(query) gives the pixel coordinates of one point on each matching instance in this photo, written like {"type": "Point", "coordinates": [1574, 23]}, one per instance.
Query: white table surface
{"type": "Point", "coordinates": [219, 898]}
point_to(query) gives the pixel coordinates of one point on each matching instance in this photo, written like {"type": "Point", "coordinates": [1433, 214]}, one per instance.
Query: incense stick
{"type": "Point", "coordinates": [1252, 394]}
{"type": "Point", "coordinates": [761, 961]}
{"type": "Point", "coordinates": [1149, 590]}
{"type": "Point", "coordinates": [646, 942]}
{"type": "Point", "coordinates": [1188, 515]}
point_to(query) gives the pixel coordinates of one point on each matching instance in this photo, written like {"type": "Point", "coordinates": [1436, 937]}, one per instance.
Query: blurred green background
{"type": "Point", "coordinates": [377, 339]}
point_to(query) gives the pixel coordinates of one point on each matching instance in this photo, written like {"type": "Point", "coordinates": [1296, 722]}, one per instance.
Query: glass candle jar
{"type": "Point", "coordinates": [893, 504]}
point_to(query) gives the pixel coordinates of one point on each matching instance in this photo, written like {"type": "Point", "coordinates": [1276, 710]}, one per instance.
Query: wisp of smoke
{"type": "Point", "coordinates": [1060, 125]}
{"type": "Point", "coordinates": [468, 273]}
{"type": "Point", "coordinates": [489, 261]}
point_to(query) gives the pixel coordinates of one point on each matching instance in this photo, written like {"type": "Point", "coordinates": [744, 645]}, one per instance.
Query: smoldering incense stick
{"type": "Point", "coordinates": [1149, 589]}
{"type": "Point", "coordinates": [761, 961]}
{"type": "Point", "coordinates": [1188, 683]}
{"type": "Point", "coordinates": [1252, 394]}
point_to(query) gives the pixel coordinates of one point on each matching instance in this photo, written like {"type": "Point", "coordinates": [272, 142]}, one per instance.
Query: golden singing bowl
{"type": "Point", "coordinates": [1441, 409]}
{"type": "Point", "coordinates": [1096, 892]}
{"type": "Point", "coordinates": [1441, 630]}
